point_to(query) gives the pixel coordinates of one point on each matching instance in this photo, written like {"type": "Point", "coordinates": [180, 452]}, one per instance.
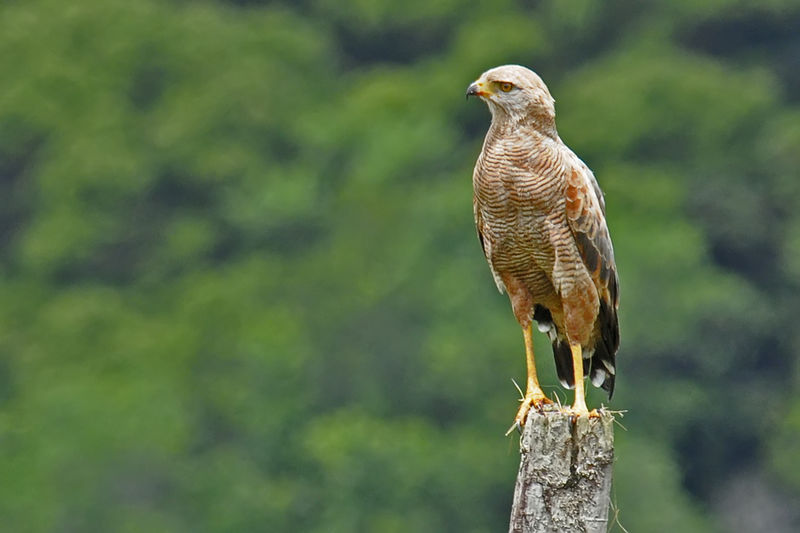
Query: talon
{"type": "Point", "coordinates": [535, 399]}
{"type": "Point", "coordinates": [577, 412]}
{"type": "Point", "coordinates": [534, 396]}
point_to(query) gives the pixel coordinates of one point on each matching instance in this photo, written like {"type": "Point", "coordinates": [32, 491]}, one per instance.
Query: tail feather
{"type": "Point", "coordinates": [599, 361]}
{"type": "Point", "coordinates": [563, 357]}
{"type": "Point", "coordinates": [604, 359]}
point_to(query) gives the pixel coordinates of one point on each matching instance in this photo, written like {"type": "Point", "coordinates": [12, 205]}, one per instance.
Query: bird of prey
{"type": "Point", "coordinates": [540, 217]}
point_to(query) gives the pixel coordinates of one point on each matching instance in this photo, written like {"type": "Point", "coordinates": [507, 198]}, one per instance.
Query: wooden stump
{"type": "Point", "coordinates": [564, 480]}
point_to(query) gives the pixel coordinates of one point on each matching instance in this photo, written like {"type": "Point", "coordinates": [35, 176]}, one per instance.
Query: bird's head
{"type": "Point", "coordinates": [515, 92]}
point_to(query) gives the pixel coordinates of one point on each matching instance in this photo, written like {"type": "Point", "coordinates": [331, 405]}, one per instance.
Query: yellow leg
{"type": "Point", "coordinates": [579, 407]}
{"type": "Point", "coordinates": [534, 395]}
{"type": "Point", "coordinates": [532, 387]}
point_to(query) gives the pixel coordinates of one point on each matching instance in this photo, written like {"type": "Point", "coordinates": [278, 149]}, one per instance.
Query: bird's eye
{"type": "Point", "coordinates": [506, 86]}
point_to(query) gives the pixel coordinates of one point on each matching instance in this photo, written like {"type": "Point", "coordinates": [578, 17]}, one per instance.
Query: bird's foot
{"type": "Point", "coordinates": [536, 400]}
{"type": "Point", "coordinates": [577, 411]}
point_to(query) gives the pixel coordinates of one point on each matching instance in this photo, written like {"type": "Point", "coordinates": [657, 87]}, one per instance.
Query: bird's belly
{"type": "Point", "coordinates": [528, 258]}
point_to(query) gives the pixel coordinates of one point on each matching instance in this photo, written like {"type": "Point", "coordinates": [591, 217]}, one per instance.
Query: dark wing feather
{"type": "Point", "coordinates": [585, 208]}
{"type": "Point", "coordinates": [479, 225]}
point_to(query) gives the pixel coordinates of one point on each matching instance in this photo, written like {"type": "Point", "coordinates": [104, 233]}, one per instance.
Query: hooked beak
{"type": "Point", "coordinates": [475, 89]}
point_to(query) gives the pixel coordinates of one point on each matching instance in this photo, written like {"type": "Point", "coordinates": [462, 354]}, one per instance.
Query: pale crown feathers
{"type": "Point", "coordinates": [516, 94]}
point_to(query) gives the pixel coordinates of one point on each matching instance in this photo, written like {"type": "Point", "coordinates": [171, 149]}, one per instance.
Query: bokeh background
{"type": "Point", "coordinates": [241, 288]}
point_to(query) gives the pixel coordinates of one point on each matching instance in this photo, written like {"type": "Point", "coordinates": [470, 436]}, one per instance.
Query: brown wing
{"type": "Point", "coordinates": [479, 225]}
{"type": "Point", "coordinates": [586, 217]}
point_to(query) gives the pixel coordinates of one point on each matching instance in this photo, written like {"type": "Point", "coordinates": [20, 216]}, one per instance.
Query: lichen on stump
{"type": "Point", "coordinates": [564, 480]}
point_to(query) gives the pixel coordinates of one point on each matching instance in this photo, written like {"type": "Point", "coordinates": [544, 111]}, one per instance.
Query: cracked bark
{"type": "Point", "coordinates": [564, 479]}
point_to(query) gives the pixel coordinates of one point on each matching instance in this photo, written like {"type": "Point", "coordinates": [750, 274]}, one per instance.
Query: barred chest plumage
{"type": "Point", "coordinates": [519, 200]}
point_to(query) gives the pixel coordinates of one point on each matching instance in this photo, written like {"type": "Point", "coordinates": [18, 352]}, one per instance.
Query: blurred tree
{"type": "Point", "coordinates": [242, 286]}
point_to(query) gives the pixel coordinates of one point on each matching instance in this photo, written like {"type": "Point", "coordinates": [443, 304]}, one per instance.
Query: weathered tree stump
{"type": "Point", "coordinates": [564, 480]}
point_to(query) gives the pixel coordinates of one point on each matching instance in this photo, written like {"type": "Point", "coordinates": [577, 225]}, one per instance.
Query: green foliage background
{"type": "Point", "coordinates": [242, 290]}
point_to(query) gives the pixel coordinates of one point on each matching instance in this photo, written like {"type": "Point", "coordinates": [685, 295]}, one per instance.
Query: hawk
{"type": "Point", "coordinates": [540, 216]}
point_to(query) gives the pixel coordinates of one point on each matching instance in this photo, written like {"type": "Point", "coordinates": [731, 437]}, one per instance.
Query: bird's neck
{"type": "Point", "coordinates": [503, 123]}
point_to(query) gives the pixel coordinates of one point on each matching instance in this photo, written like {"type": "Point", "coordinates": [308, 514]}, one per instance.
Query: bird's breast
{"type": "Point", "coordinates": [517, 184]}
{"type": "Point", "coordinates": [519, 195]}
